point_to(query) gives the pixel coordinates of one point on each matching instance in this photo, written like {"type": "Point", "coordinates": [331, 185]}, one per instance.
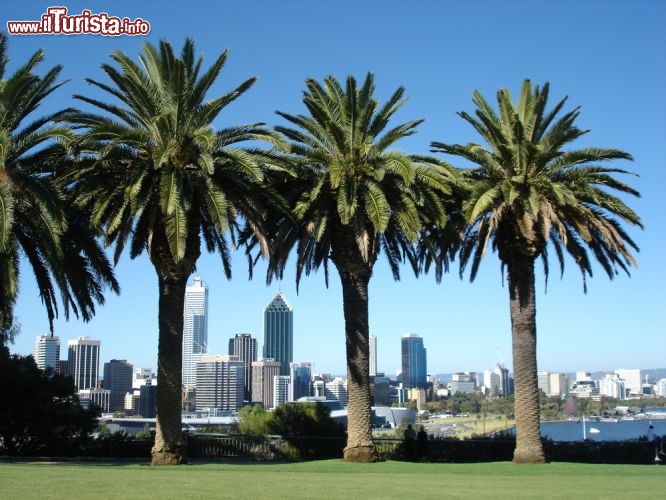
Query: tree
{"type": "Point", "coordinates": [527, 192]}
{"type": "Point", "coordinates": [304, 419]}
{"type": "Point", "coordinates": [352, 198]}
{"type": "Point", "coordinates": [157, 175]}
{"type": "Point", "coordinates": [35, 220]}
{"type": "Point", "coordinates": [40, 413]}
{"type": "Point", "coordinates": [254, 420]}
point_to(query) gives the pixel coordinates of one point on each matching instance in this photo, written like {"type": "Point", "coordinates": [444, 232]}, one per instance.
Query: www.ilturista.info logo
{"type": "Point", "coordinates": [56, 22]}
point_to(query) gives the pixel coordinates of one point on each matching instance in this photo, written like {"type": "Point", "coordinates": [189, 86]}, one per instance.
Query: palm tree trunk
{"type": "Point", "coordinates": [360, 447]}
{"type": "Point", "coordinates": [170, 448]}
{"type": "Point", "coordinates": [529, 448]}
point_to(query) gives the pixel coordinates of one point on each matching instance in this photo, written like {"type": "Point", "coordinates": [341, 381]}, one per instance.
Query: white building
{"type": "Point", "coordinates": [660, 388]}
{"type": "Point", "coordinates": [281, 385]}
{"type": "Point", "coordinates": [337, 389]}
{"type": "Point", "coordinates": [559, 384]}
{"type": "Point", "coordinates": [143, 376]}
{"type": "Point", "coordinates": [632, 381]}
{"type": "Point", "coordinates": [83, 362]}
{"type": "Point", "coordinates": [98, 397]}
{"type": "Point", "coordinates": [491, 381]}
{"type": "Point", "coordinates": [543, 382]}
{"type": "Point", "coordinates": [195, 329]}
{"type": "Point", "coordinates": [612, 386]}
{"type": "Point", "coordinates": [47, 352]}
{"type": "Point", "coordinates": [373, 355]}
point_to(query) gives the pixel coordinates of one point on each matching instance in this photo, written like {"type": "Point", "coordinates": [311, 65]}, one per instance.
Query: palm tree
{"type": "Point", "coordinates": [526, 191]}
{"type": "Point", "coordinates": [34, 218]}
{"type": "Point", "coordinates": [155, 173]}
{"type": "Point", "coordinates": [352, 198]}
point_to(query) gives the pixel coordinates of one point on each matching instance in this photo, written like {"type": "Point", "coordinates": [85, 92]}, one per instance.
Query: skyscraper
{"type": "Point", "coordinates": [47, 352]}
{"type": "Point", "coordinates": [301, 380]}
{"type": "Point", "coordinates": [219, 382]}
{"type": "Point", "coordinates": [414, 368]}
{"type": "Point", "coordinates": [245, 347]}
{"type": "Point", "coordinates": [118, 379]}
{"type": "Point", "coordinates": [279, 332]}
{"type": "Point", "coordinates": [83, 362]}
{"type": "Point", "coordinates": [263, 372]}
{"type": "Point", "coordinates": [373, 355]}
{"type": "Point", "coordinates": [195, 329]}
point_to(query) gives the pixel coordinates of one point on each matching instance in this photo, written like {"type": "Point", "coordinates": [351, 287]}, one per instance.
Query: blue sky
{"type": "Point", "coordinates": [607, 56]}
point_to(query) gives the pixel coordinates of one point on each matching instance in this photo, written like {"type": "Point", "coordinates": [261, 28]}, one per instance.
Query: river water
{"type": "Point", "coordinates": [625, 430]}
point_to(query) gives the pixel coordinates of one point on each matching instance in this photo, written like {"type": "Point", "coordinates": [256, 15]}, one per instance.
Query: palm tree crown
{"type": "Point", "coordinates": [186, 176]}
{"type": "Point", "coordinates": [350, 188]}
{"type": "Point", "coordinates": [59, 247]}
{"type": "Point", "coordinates": [528, 192]}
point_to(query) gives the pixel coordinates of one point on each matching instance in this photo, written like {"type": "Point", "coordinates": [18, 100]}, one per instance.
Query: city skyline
{"type": "Point", "coordinates": [618, 323]}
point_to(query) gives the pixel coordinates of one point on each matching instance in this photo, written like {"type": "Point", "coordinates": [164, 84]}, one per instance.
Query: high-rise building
{"type": "Point", "coordinates": [83, 362]}
{"type": "Point", "coordinates": [279, 332]}
{"type": "Point", "coordinates": [263, 372]}
{"type": "Point", "coordinates": [245, 347]}
{"type": "Point", "coordinates": [281, 385]}
{"type": "Point", "coordinates": [301, 380]}
{"type": "Point", "coordinates": [47, 352]}
{"type": "Point", "coordinates": [118, 380]}
{"type": "Point", "coordinates": [219, 382]}
{"type": "Point", "coordinates": [414, 368]}
{"type": "Point", "coordinates": [373, 355]}
{"type": "Point", "coordinates": [505, 382]}
{"type": "Point", "coordinates": [195, 329]}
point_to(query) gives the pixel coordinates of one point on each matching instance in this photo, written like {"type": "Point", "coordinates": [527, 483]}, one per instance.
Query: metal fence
{"type": "Point", "coordinates": [270, 448]}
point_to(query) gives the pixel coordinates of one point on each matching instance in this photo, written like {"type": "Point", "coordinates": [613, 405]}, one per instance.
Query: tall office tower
{"type": "Point", "coordinates": [414, 368]}
{"type": "Point", "coordinates": [195, 329]}
{"type": "Point", "coordinates": [301, 380]}
{"type": "Point", "coordinates": [245, 347]}
{"type": "Point", "coordinates": [118, 379]}
{"type": "Point", "coordinates": [83, 362]}
{"type": "Point", "coordinates": [47, 352]}
{"type": "Point", "coordinates": [281, 385]}
{"type": "Point", "coordinates": [373, 355]}
{"type": "Point", "coordinates": [279, 332]}
{"type": "Point", "coordinates": [505, 385]}
{"type": "Point", "coordinates": [263, 372]}
{"type": "Point", "coordinates": [219, 382]}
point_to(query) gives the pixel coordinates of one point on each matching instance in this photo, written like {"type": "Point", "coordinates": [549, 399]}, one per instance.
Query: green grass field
{"type": "Point", "coordinates": [331, 479]}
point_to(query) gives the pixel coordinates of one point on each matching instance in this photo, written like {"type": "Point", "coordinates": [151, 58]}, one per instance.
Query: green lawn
{"type": "Point", "coordinates": [331, 479]}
